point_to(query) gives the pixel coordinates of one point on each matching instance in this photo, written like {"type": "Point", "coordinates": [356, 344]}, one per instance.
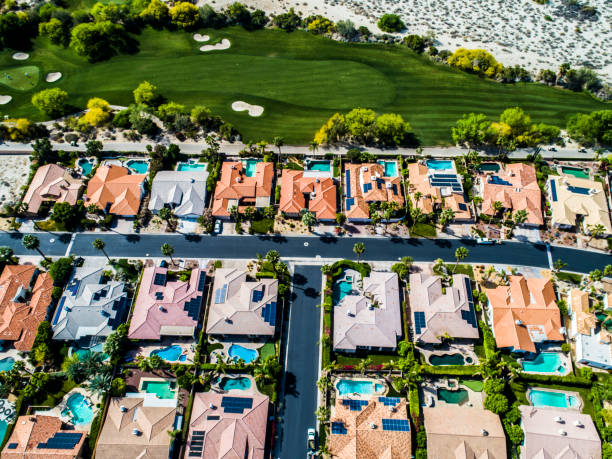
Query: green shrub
{"type": "Point", "coordinates": [497, 403]}
{"type": "Point", "coordinates": [494, 386]}
{"type": "Point", "coordinates": [390, 23]}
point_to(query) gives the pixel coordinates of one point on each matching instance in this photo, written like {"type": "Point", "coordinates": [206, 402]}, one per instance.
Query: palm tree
{"type": "Point", "coordinates": [31, 242]}
{"type": "Point", "coordinates": [558, 265]}
{"type": "Point", "coordinates": [309, 220]}
{"type": "Point", "coordinates": [92, 362]}
{"type": "Point", "coordinates": [273, 257]}
{"type": "Point", "coordinates": [498, 206]}
{"type": "Point", "coordinates": [100, 384]}
{"type": "Point", "coordinates": [418, 195]}
{"type": "Point", "coordinates": [460, 254]}
{"type": "Point", "coordinates": [278, 142]}
{"type": "Point", "coordinates": [313, 146]}
{"type": "Point", "coordinates": [446, 217]}
{"type": "Point", "coordinates": [363, 364]}
{"type": "Point", "coordinates": [326, 270]}
{"type": "Point", "coordinates": [324, 383]}
{"type": "Point", "coordinates": [520, 216]}
{"type": "Point", "coordinates": [144, 364]}
{"type": "Point", "coordinates": [167, 250]}
{"type": "Point", "coordinates": [99, 244]}
{"type": "Point", "coordinates": [596, 231]}
{"type": "Point", "coordinates": [417, 215]}
{"type": "Point", "coordinates": [322, 413]}
{"type": "Point", "coordinates": [359, 249]}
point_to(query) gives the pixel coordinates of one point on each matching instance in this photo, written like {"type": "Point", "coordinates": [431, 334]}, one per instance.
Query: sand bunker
{"type": "Point", "coordinates": [224, 44]}
{"type": "Point", "coordinates": [253, 110]}
{"type": "Point", "coordinates": [53, 76]}
{"type": "Point", "coordinates": [5, 100]}
{"type": "Point", "coordinates": [200, 38]}
{"type": "Point", "coordinates": [20, 56]}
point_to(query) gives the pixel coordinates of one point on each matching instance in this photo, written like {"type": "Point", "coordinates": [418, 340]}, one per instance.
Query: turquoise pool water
{"type": "Point", "coordinates": [190, 167]}
{"type": "Point", "coordinates": [340, 290]}
{"type": "Point", "coordinates": [79, 409]}
{"type": "Point", "coordinates": [172, 353]}
{"type": "Point", "coordinates": [390, 168]}
{"type": "Point", "coordinates": [238, 352]}
{"type": "Point", "coordinates": [320, 166]}
{"type": "Point", "coordinates": [546, 362]}
{"type": "Point", "coordinates": [576, 172]}
{"type": "Point", "coordinates": [7, 363]}
{"type": "Point", "coordinates": [494, 167]}
{"type": "Point", "coordinates": [163, 389]}
{"type": "Point", "coordinates": [249, 166]}
{"type": "Point", "coordinates": [455, 397]}
{"type": "Point", "coordinates": [138, 165]}
{"type": "Point", "coordinates": [97, 348]}
{"type": "Point", "coordinates": [447, 359]}
{"type": "Point", "coordinates": [555, 399]}
{"type": "Point", "coordinates": [3, 427]}
{"type": "Point", "coordinates": [439, 164]}
{"type": "Point", "coordinates": [85, 165]}
{"type": "Point", "coordinates": [350, 386]}
{"type": "Point", "coordinates": [241, 383]}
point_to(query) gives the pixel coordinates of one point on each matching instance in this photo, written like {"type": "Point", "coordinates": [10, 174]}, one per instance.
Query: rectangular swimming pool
{"type": "Point", "coordinates": [575, 171]}
{"type": "Point", "coordinates": [545, 362]}
{"type": "Point", "coordinates": [539, 397]}
{"type": "Point", "coordinates": [250, 166]}
{"type": "Point", "coordinates": [318, 166]}
{"type": "Point", "coordinates": [439, 164]}
{"type": "Point", "coordinates": [390, 168]}
{"type": "Point", "coordinates": [163, 389]}
{"type": "Point", "coordinates": [190, 167]}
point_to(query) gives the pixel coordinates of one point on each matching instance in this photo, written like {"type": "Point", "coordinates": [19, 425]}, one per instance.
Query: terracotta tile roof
{"type": "Point", "coordinates": [321, 191]}
{"type": "Point", "coordinates": [363, 442]}
{"type": "Point", "coordinates": [115, 185]}
{"type": "Point", "coordinates": [52, 183]}
{"type": "Point", "coordinates": [457, 432]}
{"type": "Point", "coordinates": [31, 431]}
{"type": "Point", "coordinates": [516, 187]}
{"type": "Point", "coordinates": [235, 188]}
{"type": "Point", "coordinates": [524, 313]}
{"type": "Point", "coordinates": [228, 435]}
{"type": "Point", "coordinates": [25, 296]}
{"type": "Point", "coordinates": [366, 183]}
{"type": "Point", "coordinates": [585, 319]}
{"type": "Point", "coordinates": [166, 308]}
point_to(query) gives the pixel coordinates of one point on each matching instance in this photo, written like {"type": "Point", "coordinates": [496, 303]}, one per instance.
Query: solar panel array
{"type": "Point", "coordinates": [119, 306]}
{"type": "Point", "coordinates": [193, 307]}
{"type": "Point", "coordinates": [553, 190]}
{"type": "Point", "coordinates": [236, 404]}
{"type": "Point", "coordinates": [348, 185]}
{"type": "Point", "coordinates": [462, 206]}
{"type": "Point", "coordinates": [350, 202]}
{"type": "Point", "coordinates": [469, 316]}
{"type": "Point", "coordinates": [159, 295]}
{"type": "Point", "coordinates": [446, 180]}
{"type": "Point", "coordinates": [201, 282]}
{"type": "Point", "coordinates": [367, 187]}
{"type": "Point", "coordinates": [258, 295]}
{"type": "Point", "coordinates": [159, 279]}
{"type": "Point", "coordinates": [59, 310]}
{"type": "Point", "coordinates": [338, 428]}
{"type": "Point", "coordinates": [268, 312]}
{"type": "Point", "coordinates": [13, 445]}
{"type": "Point", "coordinates": [419, 322]}
{"type": "Point", "coordinates": [390, 401]}
{"type": "Point", "coordinates": [197, 443]}
{"type": "Point", "coordinates": [396, 425]}
{"type": "Point", "coordinates": [354, 405]}
{"type": "Point", "coordinates": [495, 180]}
{"type": "Point", "coordinates": [74, 286]}
{"type": "Point", "coordinates": [220, 294]}
{"type": "Point", "coordinates": [62, 440]}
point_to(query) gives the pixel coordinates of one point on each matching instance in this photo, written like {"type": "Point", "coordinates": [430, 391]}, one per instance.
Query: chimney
{"type": "Point", "coordinates": [578, 423]}
{"type": "Point", "coordinates": [211, 406]}
{"type": "Point", "coordinates": [562, 432]}
{"type": "Point", "coordinates": [558, 419]}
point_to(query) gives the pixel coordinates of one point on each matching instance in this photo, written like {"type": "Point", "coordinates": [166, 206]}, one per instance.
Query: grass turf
{"type": "Point", "coordinates": [300, 79]}
{"type": "Point", "coordinates": [424, 230]}
{"type": "Point", "coordinates": [15, 77]}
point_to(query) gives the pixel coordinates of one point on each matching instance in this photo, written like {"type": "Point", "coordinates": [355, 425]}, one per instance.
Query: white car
{"type": "Point", "coordinates": [218, 227]}
{"type": "Point", "coordinates": [312, 440]}
{"type": "Point", "coordinates": [484, 241]}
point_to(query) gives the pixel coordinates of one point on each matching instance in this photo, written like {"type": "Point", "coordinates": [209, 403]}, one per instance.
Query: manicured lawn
{"type": "Point", "coordinates": [263, 226]}
{"type": "Point", "coordinates": [473, 384]}
{"type": "Point", "coordinates": [423, 230]}
{"type": "Point", "coordinates": [267, 350]}
{"type": "Point", "coordinates": [300, 80]}
{"type": "Point", "coordinates": [17, 79]}
{"type": "Point", "coordinates": [50, 225]}
{"type": "Point", "coordinates": [53, 398]}
{"type": "Point", "coordinates": [464, 269]}
{"type": "Point", "coordinates": [354, 359]}
{"type": "Point", "coordinates": [570, 277]}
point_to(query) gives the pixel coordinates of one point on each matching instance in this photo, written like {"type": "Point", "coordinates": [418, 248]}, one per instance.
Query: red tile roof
{"type": "Point", "coordinates": [234, 185]}
{"type": "Point", "coordinates": [115, 185]}
{"type": "Point", "coordinates": [321, 191]}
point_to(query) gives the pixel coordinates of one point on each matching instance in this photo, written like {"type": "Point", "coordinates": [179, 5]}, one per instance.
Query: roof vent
{"type": "Point", "coordinates": [212, 406]}
{"type": "Point", "coordinates": [238, 180]}
{"type": "Point", "coordinates": [135, 432]}
{"type": "Point", "coordinates": [388, 185]}
{"type": "Point", "coordinates": [562, 432]}
{"type": "Point", "coordinates": [161, 308]}
{"type": "Point", "coordinates": [349, 313]}
{"type": "Point", "coordinates": [372, 425]}
{"type": "Point", "coordinates": [483, 432]}
{"type": "Point", "coordinates": [519, 322]}
{"type": "Point", "coordinates": [233, 166]}
{"type": "Point", "coordinates": [373, 178]}
{"type": "Point", "coordinates": [364, 169]}
{"type": "Point", "coordinates": [558, 419]}
{"type": "Point", "coordinates": [123, 408]}
{"type": "Point", "coordinates": [317, 181]}
{"type": "Point", "coordinates": [578, 423]}
{"type": "Point", "coordinates": [392, 408]}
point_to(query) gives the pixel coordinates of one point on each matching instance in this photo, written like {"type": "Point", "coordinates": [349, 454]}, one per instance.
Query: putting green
{"type": "Point", "coordinates": [300, 79]}
{"type": "Point", "coordinates": [20, 78]}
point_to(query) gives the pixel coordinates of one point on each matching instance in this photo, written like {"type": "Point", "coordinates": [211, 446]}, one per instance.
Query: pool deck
{"type": "Point", "coordinates": [14, 354]}
{"type": "Point", "coordinates": [358, 396]}
{"type": "Point", "coordinates": [250, 391]}
{"type": "Point", "coordinates": [188, 348]}
{"type": "Point", "coordinates": [223, 354]}
{"type": "Point", "coordinates": [430, 393]}
{"type": "Point", "coordinates": [573, 394]}
{"type": "Point", "coordinates": [123, 162]}
{"type": "Point", "coordinates": [467, 350]}
{"type": "Point", "coordinates": [566, 362]}
{"type": "Point", "coordinates": [56, 411]}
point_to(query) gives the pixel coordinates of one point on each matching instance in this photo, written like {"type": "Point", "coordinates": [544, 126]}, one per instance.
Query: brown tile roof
{"type": "Point", "coordinates": [361, 441]}
{"type": "Point", "coordinates": [31, 430]}
{"type": "Point", "coordinates": [235, 188]}
{"type": "Point", "coordinates": [20, 311]}
{"type": "Point", "coordinates": [585, 319]}
{"type": "Point", "coordinates": [369, 184]}
{"type": "Point", "coordinates": [52, 183]}
{"type": "Point", "coordinates": [295, 187]}
{"type": "Point", "coordinates": [115, 185]}
{"type": "Point", "coordinates": [524, 313]}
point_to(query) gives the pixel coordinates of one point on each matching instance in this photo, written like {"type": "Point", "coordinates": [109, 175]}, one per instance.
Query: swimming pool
{"type": "Point", "coordinates": [439, 164]}
{"type": "Point", "coordinates": [319, 166]}
{"type": "Point", "coordinates": [241, 383]}
{"type": "Point", "coordinates": [238, 352]}
{"type": "Point", "coordinates": [79, 409]}
{"type": "Point", "coordinates": [85, 166]}
{"type": "Point", "coordinates": [172, 353]}
{"type": "Point", "coordinates": [447, 359]}
{"type": "Point", "coordinates": [539, 397]}
{"type": "Point", "coordinates": [350, 386]}
{"type": "Point", "coordinates": [493, 167]}
{"type": "Point", "coordinates": [163, 389]}
{"type": "Point", "coordinates": [340, 290]}
{"type": "Point", "coordinates": [545, 362]}
{"type": "Point", "coordinates": [454, 397]}
{"type": "Point", "coordinates": [390, 168]}
{"type": "Point", "coordinates": [575, 171]}
{"type": "Point", "coordinates": [250, 166]}
{"type": "Point", "coordinates": [7, 363]}
{"type": "Point", "coordinates": [190, 167]}
{"type": "Point", "coordinates": [80, 352]}
{"type": "Point", "coordinates": [138, 165]}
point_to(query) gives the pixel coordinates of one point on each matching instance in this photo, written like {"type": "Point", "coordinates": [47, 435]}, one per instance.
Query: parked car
{"type": "Point", "coordinates": [484, 241]}
{"type": "Point", "coordinates": [218, 227]}
{"type": "Point", "coordinates": [311, 439]}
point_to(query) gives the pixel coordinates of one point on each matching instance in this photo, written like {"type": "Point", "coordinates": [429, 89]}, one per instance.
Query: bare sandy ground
{"type": "Point", "coordinates": [53, 76]}
{"type": "Point", "coordinates": [223, 44]}
{"type": "Point", "coordinates": [5, 100]}
{"type": "Point", "coordinates": [14, 171]}
{"type": "Point", "coordinates": [253, 110]}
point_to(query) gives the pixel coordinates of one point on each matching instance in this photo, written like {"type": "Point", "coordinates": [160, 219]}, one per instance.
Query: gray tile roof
{"type": "Point", "coordinates": [183, 191]}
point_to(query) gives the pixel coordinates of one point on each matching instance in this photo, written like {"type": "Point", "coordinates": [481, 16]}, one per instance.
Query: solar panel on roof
{"type": "Point", "coordinates": [268, 312]}
{"type": "Point", "coordinates": [396, 425]}
{"type": "Point", "coordinates": [354, 405]}
{"type": "Point", "coordinates": [201, 282]}
{"type": "Point", "coordinates": [462, 206]}
{"type": "Point", "coordinates": [159, 295]}
{"type": "Point", "coordinates": [419, 322]}
{"type": "Point", "coordinates": [13, 445]}
{"type": "Point", "coordinates": [159, 279]}
{"type": "Point", "coordinates": [220, 294]}
{"type": "Point", "coordinates": [338, 428]}
{"type": "Point", "coordinates": [553, 190]}
{"type": "Point", "coordinates": [367, 187]}
{"type": "Point", "coordinates": [258, 295]}
{"type": "Point", "coordinates": [200, 432]}
{"type": "Point", "coordinates": [389, 401]}
{"type": "Point", "coordinates": [195, 453]}
{"type": "Point", "coordinates": [348, 185]}
{"type": "Point", "coordinates": [350, 202]}
{"type": "Point", "coordinates": [236, 404]}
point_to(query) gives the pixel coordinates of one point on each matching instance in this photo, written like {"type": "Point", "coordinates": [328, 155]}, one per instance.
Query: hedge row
{"type": "Point", "coordinates": [451, 370]}
{"type": "Point", "coordinates": [569, 380]}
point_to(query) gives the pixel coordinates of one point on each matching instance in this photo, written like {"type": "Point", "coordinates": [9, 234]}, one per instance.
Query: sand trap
{"type": "Point", "coordinates": [53, 76]}
{"type": "Point", "coordinates": [224, 44]}
{"type": "Point", "coordinates": [200, 38]}
{"type": "Point", "coordinates": [253, 110]}
{"type": "Point", "coordinates": [5, 100]}
{"type": "Point", "coordinates": [20, 56]}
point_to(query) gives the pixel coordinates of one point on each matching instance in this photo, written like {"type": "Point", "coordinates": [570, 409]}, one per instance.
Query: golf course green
{"type": "Point", "coordinates": [300, 79]}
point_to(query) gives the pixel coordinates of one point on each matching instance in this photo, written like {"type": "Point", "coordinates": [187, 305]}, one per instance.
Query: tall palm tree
{"type": "Point", "coordinates": [520, 216]}
{"type": "Point", "coordinates": [99, 244]}
{"type": "Point", "coordinates": [596, 231]}
{"type": "Point", "coordinates": [359, 249]}
{"type": "Point", "coordinates": [309, 219]}
{"type": "Point", "coordinates": [278, 142]}
{"type": "Point", "coordinates": [100, 384]}
{"type": "Point", "coordinates": [313, 146]}
{"type": "Point", "coordinates": [92, 363]}
{"type": "Point", "coordinates": [167, 250]}
{"type": "Point", "coordinates": [31, 242]}
{"type": "Point", "coordinates": [363, 364]}
{"type": "Point", "coordinates": [460, 254]}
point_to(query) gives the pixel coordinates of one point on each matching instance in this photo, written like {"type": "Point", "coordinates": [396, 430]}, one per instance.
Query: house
{"type": "Point", "coordinates": [166, 306]}
{"type": "Point", "coordinates": [516, 187]}
{"type": "Point", "coordinates": [300, 190]}
{"type": "Point", "coordinates": [243, 185]}
{"type": "Point", "coordinates": [241, 307]}
{"type": "Point", "coordinates": [442, 311]}
{"type": "Point", "coordinates": [371, 318]}
{"type": "Point", "coordinates": [578, 202]}
{"type": "Point", "coordinates": [89, 309]}
{"type": "Point", "coordinates": [25, 298]}
{"type": "Point", "coordinates": [137, 426]}
{"type": "Point", "coordinates": [52, 183]}
{"type": "Point", "coordinates": [437, 188]}
{"type": "Point", "coordinates": [376, 428]}
{"type": "Point", "coordinates": [593, 342]}
{"type": "Point", "coordinates": [365, 184]}
{"type": "Point", "coordinates": [45, 437]}
{"type": "Point", "coordinates": [524, 313]}
{"type": "Point", "coordinates": [555, 432]}
{"type": "Point", "coordinates": [115, 190]}
{"type": "Point", "coordinates": [462, 432]}
{"type": "Point", "coordinates": [182, 191]}
{"type": "Point", "coordinates": [223, 426]}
